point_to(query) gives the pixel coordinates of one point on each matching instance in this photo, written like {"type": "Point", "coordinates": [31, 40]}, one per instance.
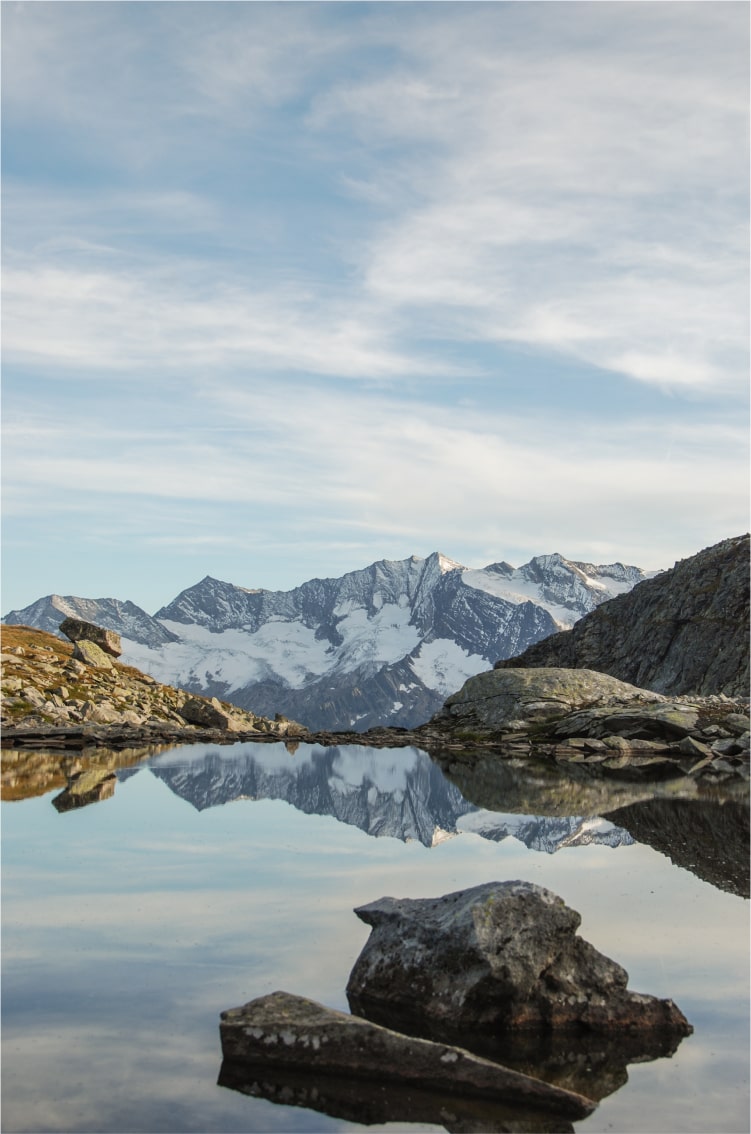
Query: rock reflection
{"type": "Point", "coordinates": [709, 837]}
{"type": "Point", "coordinates": [34, 772]}
{"type": "Point", "coordinates": [594, 1065]}
{"type": "Point", "coordinates": [373, 1103]}
{"type": "Point", "coordinates": [85, 788]}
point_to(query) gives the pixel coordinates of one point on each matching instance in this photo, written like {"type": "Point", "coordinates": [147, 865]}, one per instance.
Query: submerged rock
{"type": "Point", "coordinates": [282, 1030]}
{"type": "Point", "coordinates": [501, 957]}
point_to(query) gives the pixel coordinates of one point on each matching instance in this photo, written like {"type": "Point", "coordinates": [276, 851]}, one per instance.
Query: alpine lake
{"type": "Point", "coordinates": [145, 891]}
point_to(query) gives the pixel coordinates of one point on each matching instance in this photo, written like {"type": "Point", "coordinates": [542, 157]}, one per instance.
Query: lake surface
{"type": "Point", "coordinates": [206, 876]}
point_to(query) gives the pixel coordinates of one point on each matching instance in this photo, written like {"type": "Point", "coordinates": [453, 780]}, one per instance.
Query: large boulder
{"type": "Point", "coordinates": [504, 699]}
{"type": "Point", "coordinates": [208, 713]}
{"type": "Point", "coordinates": [91, 654]}
{"type": "Point", "coordinates": [500, 957]}
{"type": "Point", "coordinates": [283, 1030]}
{"type": "Point", "coordinates": [76, 630]}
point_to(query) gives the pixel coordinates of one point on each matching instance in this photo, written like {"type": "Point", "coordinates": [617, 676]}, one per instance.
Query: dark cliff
{"type": "Point", "coordinates": [685, 631]}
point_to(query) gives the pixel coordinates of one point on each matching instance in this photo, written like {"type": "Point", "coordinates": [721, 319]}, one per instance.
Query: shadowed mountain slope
{"type": "Point", "coordinates": [685, 631]}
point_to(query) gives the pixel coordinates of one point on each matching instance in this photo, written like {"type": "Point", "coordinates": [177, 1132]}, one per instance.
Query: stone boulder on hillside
{"type": "Point", "coordinates": [76, 630]}
{"type": "Point", "coordinates": [686, 631]}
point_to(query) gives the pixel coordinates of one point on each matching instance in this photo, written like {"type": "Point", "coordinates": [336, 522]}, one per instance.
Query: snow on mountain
{"type": "Point", "coordinates": [383, 645]}
{"type": "Point", "coordinates": [565, 588]}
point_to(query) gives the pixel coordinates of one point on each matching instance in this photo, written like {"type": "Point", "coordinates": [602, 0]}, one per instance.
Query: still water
{"type": "Point", "coordinates": [206, 876]}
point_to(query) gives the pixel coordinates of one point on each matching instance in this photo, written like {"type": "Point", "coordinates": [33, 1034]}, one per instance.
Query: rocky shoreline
{"type": "Point", "coordinates": [54, 700]}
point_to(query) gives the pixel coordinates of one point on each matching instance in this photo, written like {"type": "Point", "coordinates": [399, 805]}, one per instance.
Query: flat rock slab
{"type": "Point", "coordinates": [283, 1030]}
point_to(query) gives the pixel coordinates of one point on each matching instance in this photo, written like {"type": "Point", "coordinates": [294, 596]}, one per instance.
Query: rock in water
{"type": "Point", "coordinates": [76, 630]}
{"type": "Point", "coordinates": [501, 957]}
{"type": "Point", "coordinates": [282, 1030]}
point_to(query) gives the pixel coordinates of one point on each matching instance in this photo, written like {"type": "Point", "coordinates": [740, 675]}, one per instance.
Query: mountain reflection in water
{"type": "Point", "coordinates": [131, 919]}
{"type": "Point", "coordinates": [401, 793]}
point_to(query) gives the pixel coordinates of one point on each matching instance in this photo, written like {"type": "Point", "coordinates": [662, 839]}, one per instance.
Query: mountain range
{"type": "Point", "coordinates": [384, 645]}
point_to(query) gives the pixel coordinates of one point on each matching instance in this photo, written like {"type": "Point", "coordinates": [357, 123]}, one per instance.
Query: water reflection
{"type": "Point", "coordinates": [371, 1103]}
{"type": "Point", "coordinates": [408, 795]}
{"type": "Point", "coordinates": [401, 793]}
{"type": "Point", "coordinates": [709, 837]}
{"type": "Point", "coordinates": [29, 773]}
{"type": "Point", "coordinates": [144, 917]}
{"type": "Point", "coordinates": [87, 787]}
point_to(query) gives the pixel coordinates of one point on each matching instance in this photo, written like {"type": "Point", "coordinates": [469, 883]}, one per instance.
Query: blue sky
{"type": "Point", "coordinates": [291, 287]}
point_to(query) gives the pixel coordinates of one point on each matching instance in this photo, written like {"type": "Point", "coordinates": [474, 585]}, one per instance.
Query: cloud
{"type": "Point", "coordinates": [570, 178]}
{"type": "Point", "coordinates": [187, 317]}
{"type": "Point", "coordinates": [285, 468]}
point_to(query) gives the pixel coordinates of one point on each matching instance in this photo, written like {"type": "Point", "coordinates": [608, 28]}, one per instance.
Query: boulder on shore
{"type": "Point", "coordinates": [505, 699]}
{"type": "Point", "coordinates": [500, 957]}
{"type": "Point", "coordinates": [283, 1030]}
{"type": "Point", "coordinates": [76, 630]}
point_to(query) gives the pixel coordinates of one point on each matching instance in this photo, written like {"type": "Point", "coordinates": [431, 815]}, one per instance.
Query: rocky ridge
{"type": "Point", "coordinates": [684, 632]}
{"type": "Point", "coordinates": [50, 691]}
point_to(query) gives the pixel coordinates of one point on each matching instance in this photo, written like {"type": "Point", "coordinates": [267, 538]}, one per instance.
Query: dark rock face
{"type": "Point", "coordinates": [501, 957]}
{"type": "Point", "coordinates": [685, 631]}
{"type": "Point", "coordinates": [78, 631]}
{"type": "Point", "coordinates": [282, 1030]}
{"type": "Point", "coordinates": [202, 712]}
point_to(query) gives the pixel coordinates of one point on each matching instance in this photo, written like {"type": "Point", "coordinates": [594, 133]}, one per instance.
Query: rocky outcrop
{"type": "Point", "coordinates": [502, 957]}
{"type": "Point", "coordinates": [585, 716]}
{"type": "Point", "coordinates": [55, 693]}
{"type": "Point", "coordinates": [685, 631]}
{"type": "Point", "coordinates": [508, 700]}
{"type": "Point", "coordinates": [296, 1033]}
{"type": "Point", "coordinates": [79, 631]}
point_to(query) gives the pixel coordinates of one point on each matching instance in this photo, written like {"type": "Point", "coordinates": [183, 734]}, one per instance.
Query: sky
{"type": "Point", "coordinates": [289, 288]}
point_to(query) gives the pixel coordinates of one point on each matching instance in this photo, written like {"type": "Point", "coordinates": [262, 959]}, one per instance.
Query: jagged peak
{"type": "Point", "coordinates": [443, 562]}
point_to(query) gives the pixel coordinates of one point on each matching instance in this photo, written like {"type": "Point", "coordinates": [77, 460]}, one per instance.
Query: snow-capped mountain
{"type": "Point", "coordinates": [400, 793]}
{"type": "Point", "coordinates": [383, 645]}
{"type": "Point", "coordinates": [126, 618]}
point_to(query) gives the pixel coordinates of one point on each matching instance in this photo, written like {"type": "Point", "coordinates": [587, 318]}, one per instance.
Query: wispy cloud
{"type": "Point", "coordinates": [378, 278]}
